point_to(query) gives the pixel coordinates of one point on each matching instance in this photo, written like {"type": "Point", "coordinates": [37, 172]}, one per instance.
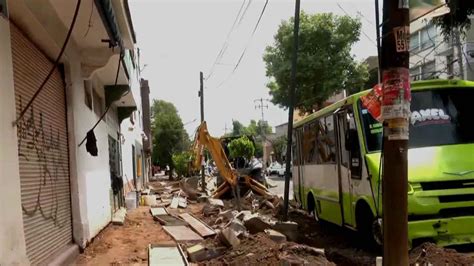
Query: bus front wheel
{"type": "Point", "coordinates": [368, 226]}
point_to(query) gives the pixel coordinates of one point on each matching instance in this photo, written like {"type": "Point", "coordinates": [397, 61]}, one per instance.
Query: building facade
{"type": "Point", "coordinates": [58, 192]}
{"type": "Point", "coordinates": [433, 56]}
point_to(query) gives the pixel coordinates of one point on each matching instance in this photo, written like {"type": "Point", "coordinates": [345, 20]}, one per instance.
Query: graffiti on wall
{"type": "Point", "coordinates": [39, 149]}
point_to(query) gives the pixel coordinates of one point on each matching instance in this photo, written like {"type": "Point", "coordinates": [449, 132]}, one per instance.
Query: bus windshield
{"type": "Point", "coordinates": [438, 117]}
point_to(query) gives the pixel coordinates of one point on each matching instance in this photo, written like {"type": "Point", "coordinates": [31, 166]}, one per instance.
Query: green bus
{"type": "Point", "coordinates": [337, 160]}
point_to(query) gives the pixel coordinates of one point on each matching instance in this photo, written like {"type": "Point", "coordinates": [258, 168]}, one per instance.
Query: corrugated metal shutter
{"type": "Point", "coordinates": [43, 152]}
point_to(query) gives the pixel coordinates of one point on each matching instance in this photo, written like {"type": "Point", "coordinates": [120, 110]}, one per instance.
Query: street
{"type": "Point", "coordinates": [279, 185]}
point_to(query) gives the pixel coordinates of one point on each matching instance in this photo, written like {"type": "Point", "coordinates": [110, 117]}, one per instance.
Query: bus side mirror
{"type": "Point", "coordinates": [352, 141]}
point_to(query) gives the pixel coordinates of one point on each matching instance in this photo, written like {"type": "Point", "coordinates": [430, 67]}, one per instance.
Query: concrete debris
{"type": "Point", "coordinates": [174, 203]}
{"type": "Point", "coordinates": [182, 233]}
{"type": "Point", "coordinates": [146, 191]}
{"type": "Point", "coordinates": [229, 237]}
{"type": "Point", "coordinates": [215, 202]}
{"type": "Point", "coordinates": [166, 254]}
{"type": "Point", "coordinates": [158, 211]}
{"type": "Point", "coordinates": [199, 226]}
{"type": "Point", "coordinates": [289, 229]}
{"type": "Point", "coordinates": [169, 220]}
{"type": "Point", "coordinates": [256, 224]}
{"type": "Point", "coordinates": [237, 226]}
{"type": "Point", "coordinates": [228, 214]}
{"type": "Point", "coordinates": [119, 216]}
{"type": "Point", "coordinates": [199, 252]}
{"type": "Point", "coordinates": [210, 210]}
{"type": "Point", "coordinates": [182, 202]}
{"type": "Point", "coordinates": [275, 236]}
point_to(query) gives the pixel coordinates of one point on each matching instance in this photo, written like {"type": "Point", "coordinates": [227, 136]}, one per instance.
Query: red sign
{"type": "Point", "coordinates": [373, 101]}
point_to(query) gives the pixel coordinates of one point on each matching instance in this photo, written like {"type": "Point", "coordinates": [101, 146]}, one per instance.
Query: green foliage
{"type": "Point", "coordinates": [253, 129]}
{"type": "Point", "coordinates": [457, 18]}
{"type": "Point", "coordinates": [325, 64]}
{"type": "Point", "coordinates": [373, 79]}
{"type": "Point", "coordinates": [258, 149]}
{"type": "Point", "coordinates": [181, 162]}
{"type": "Point", "coordinates": [241, 147]}
{"type": "Point", "coordinates": [169, 136]}
{"type": "Point", "coordinates": [279, 148]}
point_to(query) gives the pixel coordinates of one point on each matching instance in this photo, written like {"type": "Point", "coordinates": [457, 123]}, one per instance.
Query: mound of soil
{"type": "Point", "coordinates": [429, 253]}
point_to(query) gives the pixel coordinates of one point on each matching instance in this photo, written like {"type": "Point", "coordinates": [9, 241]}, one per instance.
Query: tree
{"type": "Point", "coordinates": [241, 147]}
{"type": "Point", "coordinates": [457, 18]}
{"type": "Point", "coordinates": [181, 162]}
{"type": "Point", "coordinates": [325, 64]}
{"type": "Point", "coordinates": [238, 129]}
{"type": "Point", "coordinates": [169, 136]}
{"type": "Point", "coordinates": [279, 145]}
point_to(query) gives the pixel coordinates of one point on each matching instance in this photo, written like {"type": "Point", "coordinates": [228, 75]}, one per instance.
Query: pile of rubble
{"type": "Point", "coordinates": [223, 231]}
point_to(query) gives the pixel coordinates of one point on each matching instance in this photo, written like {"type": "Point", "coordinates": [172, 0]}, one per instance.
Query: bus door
{"type": "Point", "coordinates": [344, 163]}
{"type": "Point", "coordinates": [297, 163]}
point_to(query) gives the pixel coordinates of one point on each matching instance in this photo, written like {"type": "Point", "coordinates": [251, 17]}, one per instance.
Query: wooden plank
{"type": "Point", "coordinates": [182, 233]}
{"type": "Point", "coordinates": [165, 254]}
{"type": "Point", "coordinates": [199, 226]}
{"type": "Point", "coordinates": [158, 211]}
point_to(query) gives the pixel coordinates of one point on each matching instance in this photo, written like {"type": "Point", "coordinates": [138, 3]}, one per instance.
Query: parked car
{"type": "Point", "coordinates": [276, 168]}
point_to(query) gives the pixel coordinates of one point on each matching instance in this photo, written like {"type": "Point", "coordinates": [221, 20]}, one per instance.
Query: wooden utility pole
{"type": "Point", "coordinates": [201, 95]}
{"type": "Point", "coordinates": [395, 114]}
{"type": "Point", "coordinates": [289, 142]}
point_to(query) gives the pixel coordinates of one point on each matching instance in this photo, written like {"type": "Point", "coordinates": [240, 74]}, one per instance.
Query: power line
{"type": "Point", "coordinates": [225, 44]}
{"type": "Point", "coordinates": [246, 46]}
{"type": "Point", "coordinates": [363, 32]}
{"type": "Point", "coordinates": [245, 12]}
{"type": "Point", "coordinates": [56, 62]}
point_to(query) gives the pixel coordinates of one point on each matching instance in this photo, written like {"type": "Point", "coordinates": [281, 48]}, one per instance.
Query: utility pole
{"type": "Point", "coordinates": [260, 105]}
{"type": "Point", "coordinates": [457, 36]}
{"type": "Point", "coordinates": [294, 60]}
{"type": "Point", "coordinates": [395, 114]}
{"type": "Point", "coordinates": [201, 95]}
{"type": "Point", "coordinates": [377, 27]}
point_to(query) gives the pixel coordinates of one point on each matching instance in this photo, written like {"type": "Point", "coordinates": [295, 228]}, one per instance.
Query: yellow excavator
{"type": "Point", "coordinates": [231, 178]}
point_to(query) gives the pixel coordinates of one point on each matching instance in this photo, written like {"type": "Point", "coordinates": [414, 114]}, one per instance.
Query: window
{"type": "Point", "coordinates": [438, 117]}
{"type": "Point", "coordinates": [427, 36]}
{"type": "Point", "coordinates": [415, 73]}
{"type": "Point", "coordinates": [87, 93]}
{"type": "Point", "coordinates": [414, 41]}
{"type": "Point", "coordinates": [98, 104]}
{"type": "Point", "coordinates": [428, 70]}
{"type": "Point", "coordinates": [449, 65]}
{"type": "Point", "coordinates": [319, 141]}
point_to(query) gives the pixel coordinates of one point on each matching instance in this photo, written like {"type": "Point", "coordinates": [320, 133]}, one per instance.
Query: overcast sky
{"type": "Point", "coordinates": [179, 38]}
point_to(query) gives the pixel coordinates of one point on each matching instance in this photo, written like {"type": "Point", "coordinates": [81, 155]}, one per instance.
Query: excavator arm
{"type": "Point", "coordinates": [213, 145]}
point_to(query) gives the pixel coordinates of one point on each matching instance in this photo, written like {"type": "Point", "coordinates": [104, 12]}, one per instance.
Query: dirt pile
{"type": "Point", "coordinates": [429, 253]}
{"type": "Point", "coordinates": [259, 249]}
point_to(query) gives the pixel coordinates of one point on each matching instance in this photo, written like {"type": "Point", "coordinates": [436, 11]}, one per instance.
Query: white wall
{"type": "Point", "coordinates": [12, 239]}
{"type": "Point", "coordinates": [132, 134]}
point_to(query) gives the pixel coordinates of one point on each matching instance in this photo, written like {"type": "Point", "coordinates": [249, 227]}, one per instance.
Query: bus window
{"type": "Point", "coordinates": [438, 117]}
{"type": "Point", "coordinates": [325, 141]}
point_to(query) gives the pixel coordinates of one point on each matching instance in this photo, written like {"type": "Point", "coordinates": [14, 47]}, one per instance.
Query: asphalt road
{"type": "Point", "coordinates": [279, 183]}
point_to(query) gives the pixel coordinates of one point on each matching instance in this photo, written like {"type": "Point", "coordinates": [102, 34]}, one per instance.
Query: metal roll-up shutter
{"type": "Point", "coordinates": [42, 150]}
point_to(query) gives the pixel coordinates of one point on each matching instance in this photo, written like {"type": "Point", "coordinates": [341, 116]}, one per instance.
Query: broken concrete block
{"type": "Point", "coordinates": [149, 200]}
{"type": "Point", "coordinates": [215, 202]}
{"type": "Point", "coordinates": [289, 229]}
{"type": "Point", "coordinates": [199, 253]}
{"type": "Point", "coordinates": [229, 237]}
{"type": "Point", "coordinates": [275, 235]}
{"type": "Point", "coordinates": [255, 224]}
{"type": "Point", "coordinates": [119, 216]}
{"type": "Point", "coordinates": [238, 227]}
{"type": "Point", "coordinates": [174, 203]}
{"type": "Point", "coordinates": [243, 214]}
{"type": "Point", "coordinates": [183, 202]}
{"type": "Point", "coordinates": [228, 214]}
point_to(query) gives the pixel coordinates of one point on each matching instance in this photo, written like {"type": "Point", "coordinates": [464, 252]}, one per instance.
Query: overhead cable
{"type": "Point", "coordinates": [225, 44]}
{"type": "Point", "coordinates": [246, 47]}
{"type": "Point", "coordinates": [55, 64]}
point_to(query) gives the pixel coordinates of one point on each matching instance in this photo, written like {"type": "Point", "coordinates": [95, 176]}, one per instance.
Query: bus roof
{"type": "Point", "coordinates": [415, 86]}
